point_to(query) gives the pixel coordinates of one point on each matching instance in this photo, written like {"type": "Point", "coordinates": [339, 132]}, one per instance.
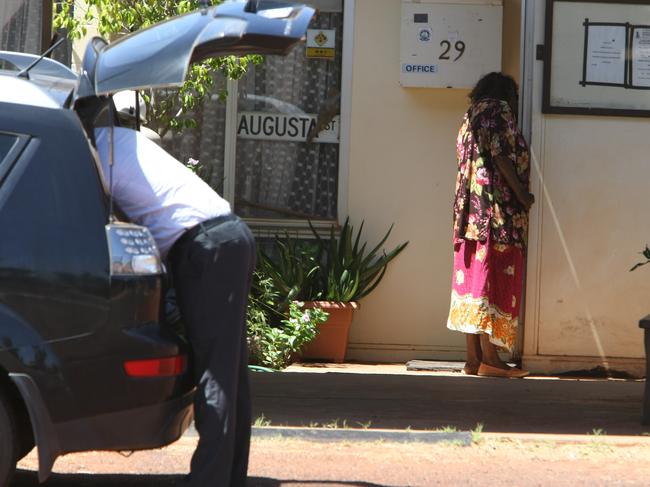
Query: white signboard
{"type": "Point", "coordinates": [321, 43]}
{"type": "Point", "coordinates": [447, 44]}
{"type": "Point", "coordinates": [606, 54]}
{"type": "Point", "coordinates": [641, 57]}
{"type": "Point", "coordinates": [292, 128]}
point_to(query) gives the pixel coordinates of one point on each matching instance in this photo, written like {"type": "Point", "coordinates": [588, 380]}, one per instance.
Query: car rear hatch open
{"type": "Point", "coordinates": [160, 55]}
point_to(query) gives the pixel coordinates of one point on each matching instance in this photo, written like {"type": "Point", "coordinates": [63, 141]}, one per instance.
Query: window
{"type": "Point", "coordinates": [10, 147]}
{"type": "Point", "coordinates": [7, 143]}
{"type": "Point", "coordinates": [273, 148]}
{"type": "Point", "coordinates": [21, 25]}
{"type": "Point", "coordinates": [281, 104]}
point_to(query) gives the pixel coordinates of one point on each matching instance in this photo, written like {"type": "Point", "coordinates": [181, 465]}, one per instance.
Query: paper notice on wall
{"type": "Point", "coordinates": [641, 57]}
{"type": "Point", "coordinates": [606, 54]}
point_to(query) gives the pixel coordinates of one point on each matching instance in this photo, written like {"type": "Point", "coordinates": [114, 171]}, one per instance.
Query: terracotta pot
{"type": "Point", "coordinates": [332, 339]}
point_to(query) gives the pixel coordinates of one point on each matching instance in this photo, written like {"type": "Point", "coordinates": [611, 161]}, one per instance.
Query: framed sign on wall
{"type": "Point", "coordinates": [449, 43]}
{"type": "Point", "coordinates": [597, 57]}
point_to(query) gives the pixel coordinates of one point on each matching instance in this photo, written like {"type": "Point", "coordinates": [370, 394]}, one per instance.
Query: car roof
{"type": "Point", "coordinates": [38, 91]}
{"type": "Point", "coordinates": [27, 79]}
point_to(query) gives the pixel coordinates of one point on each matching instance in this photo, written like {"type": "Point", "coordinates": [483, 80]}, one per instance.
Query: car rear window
{"type": "Point", "coordinates": [7, 141]}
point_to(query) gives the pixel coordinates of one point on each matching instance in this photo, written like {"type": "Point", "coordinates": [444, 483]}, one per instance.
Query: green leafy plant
{"type": "Point", "coordinates": [338, 268]}
{"type": "Point", "coordinates": [274, 338]}
{"type": "Point", "coordinates": [476, 434]}
{"type": "Point", "coordinates": [293, 270]}
{"type": "Point", "coordinates": [169, 109]}
{"type": "Point", "coordinates": [262, 422]}
{"type": "Point", "coordinates": [349, 272]}
{"type": "Point", "coordinates": [646, 254]}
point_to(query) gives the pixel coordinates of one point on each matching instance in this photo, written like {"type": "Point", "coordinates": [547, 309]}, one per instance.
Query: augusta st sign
{"type": "Point", "coordinates": [294, 127]}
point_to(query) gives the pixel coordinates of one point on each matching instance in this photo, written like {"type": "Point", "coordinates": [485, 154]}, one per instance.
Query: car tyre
{"type": "Point", "coordinates": [8, 440]}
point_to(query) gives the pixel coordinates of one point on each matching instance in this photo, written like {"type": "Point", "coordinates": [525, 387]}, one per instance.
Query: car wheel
{"type": "Point", "coordinates": [8, 441]}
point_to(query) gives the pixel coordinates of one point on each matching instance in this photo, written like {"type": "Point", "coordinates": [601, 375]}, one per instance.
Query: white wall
{"type": "Point", "coordinates": [402, 171]}
{"type": "Point", "coordinates": [588, 227]}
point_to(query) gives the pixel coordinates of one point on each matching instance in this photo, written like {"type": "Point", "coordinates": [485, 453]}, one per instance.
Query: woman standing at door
{"type": "Point", "coordinates": [490, 226]}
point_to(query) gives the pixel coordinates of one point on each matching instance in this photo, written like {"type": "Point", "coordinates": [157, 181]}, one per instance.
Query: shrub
{"type": "Point", "coordinates": [275, 338]}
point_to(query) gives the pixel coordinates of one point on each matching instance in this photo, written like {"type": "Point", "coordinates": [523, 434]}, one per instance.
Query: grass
{"type": "Point", "coordinates": [261, 421]}
{"type": "Point", "coordinates": [596, 444]}
{"type": "Point", "coordinates": [598, 432]}
{"type": "Point", "coordinates": [476, 434]}
{"type": "Point", "coordinates": [335, 424]}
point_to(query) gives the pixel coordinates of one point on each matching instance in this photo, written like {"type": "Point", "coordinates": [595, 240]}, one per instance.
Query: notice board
{"type": "Point", "coordinates": [449, 44]}
{"type": "Point", "coordinates": [597, 57]}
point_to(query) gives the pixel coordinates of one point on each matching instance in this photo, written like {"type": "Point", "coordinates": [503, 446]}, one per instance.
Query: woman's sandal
{"type": "Point", "coordinates": [486, 370]}
{"type": "Point", "coordinates": [470, 369]}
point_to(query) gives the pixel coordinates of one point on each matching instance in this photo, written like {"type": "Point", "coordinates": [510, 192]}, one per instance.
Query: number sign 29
{"type": "Point", "coordinates": [446, 45]}
{"type": "Point", "coordinates": [452, 43]}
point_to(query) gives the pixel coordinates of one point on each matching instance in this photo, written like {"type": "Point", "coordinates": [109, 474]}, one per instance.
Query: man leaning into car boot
{"type": "Point", "coordinates": [211, 253]}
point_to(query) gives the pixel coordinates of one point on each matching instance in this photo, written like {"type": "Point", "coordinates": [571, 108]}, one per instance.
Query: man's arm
{"type": "Point", "coordinates": [507, 170]}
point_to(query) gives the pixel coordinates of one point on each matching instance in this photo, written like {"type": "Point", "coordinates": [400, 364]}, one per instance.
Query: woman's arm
{"type": "Point", "coordinates": [507, 170]}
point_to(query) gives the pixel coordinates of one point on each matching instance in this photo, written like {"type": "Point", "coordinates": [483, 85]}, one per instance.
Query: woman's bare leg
{"type": "Point", "coordinates": [474, 354]}
{"type": "Point", "coordinates": [490, 355]}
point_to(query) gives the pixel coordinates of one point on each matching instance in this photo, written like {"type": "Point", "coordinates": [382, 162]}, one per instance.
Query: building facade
{"type": "Point", "coordinates": [385, 154]}
{"type": "Point", "coordinates": [22, 26]}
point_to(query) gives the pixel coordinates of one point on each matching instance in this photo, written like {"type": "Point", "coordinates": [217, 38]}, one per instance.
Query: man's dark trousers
{"type": "Point", "coordinates": [212, 265]}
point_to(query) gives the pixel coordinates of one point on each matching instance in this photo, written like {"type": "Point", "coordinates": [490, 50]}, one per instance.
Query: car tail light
{"type": "Point", "coordinates": [159, 367]}
{"type": "Point", "coordinates": [132, 250]}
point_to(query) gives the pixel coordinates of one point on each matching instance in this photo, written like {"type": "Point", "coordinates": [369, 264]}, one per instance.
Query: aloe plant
{"type": "Point", "coordinates": [338, 268]}
{"type": "Point", "coordinates": [348, 271]}
{"type": "Point", "coordinates": [293, 270]}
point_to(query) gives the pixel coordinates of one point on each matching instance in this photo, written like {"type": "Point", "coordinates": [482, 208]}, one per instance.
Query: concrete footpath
{"type": "Point", "coordinates": [389, 396]}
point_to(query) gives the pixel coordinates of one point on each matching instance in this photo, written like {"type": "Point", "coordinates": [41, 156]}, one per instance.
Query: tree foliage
{"type": "Point", "coordinates": [169, 109]}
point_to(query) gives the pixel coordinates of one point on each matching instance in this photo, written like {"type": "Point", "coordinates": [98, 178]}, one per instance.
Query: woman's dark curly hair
{"type": "Point", "coordinates": [494, 85]}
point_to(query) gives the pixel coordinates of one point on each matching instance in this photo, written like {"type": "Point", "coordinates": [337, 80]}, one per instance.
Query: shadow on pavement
{"type": "Point", "coordinates": [27, 478]}
{"type": "Point", "coordinates": [542, 405]}
{"type": "Point", "coordinates": [266, 482]}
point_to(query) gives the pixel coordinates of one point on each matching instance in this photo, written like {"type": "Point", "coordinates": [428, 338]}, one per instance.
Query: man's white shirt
{"type": "Point", "coordinates": [153, 188]}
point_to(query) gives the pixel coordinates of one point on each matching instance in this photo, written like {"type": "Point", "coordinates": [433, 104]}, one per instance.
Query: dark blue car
{"type": "Point", "coordinates": [85, 360]}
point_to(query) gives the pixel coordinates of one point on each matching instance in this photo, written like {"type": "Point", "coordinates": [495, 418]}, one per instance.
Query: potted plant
{"type": "Point", "coordinates": [333, 274]}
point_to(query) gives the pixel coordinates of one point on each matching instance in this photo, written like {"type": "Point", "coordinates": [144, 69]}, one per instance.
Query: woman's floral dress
{"type": "Point", "coordinates": [490, 225]}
